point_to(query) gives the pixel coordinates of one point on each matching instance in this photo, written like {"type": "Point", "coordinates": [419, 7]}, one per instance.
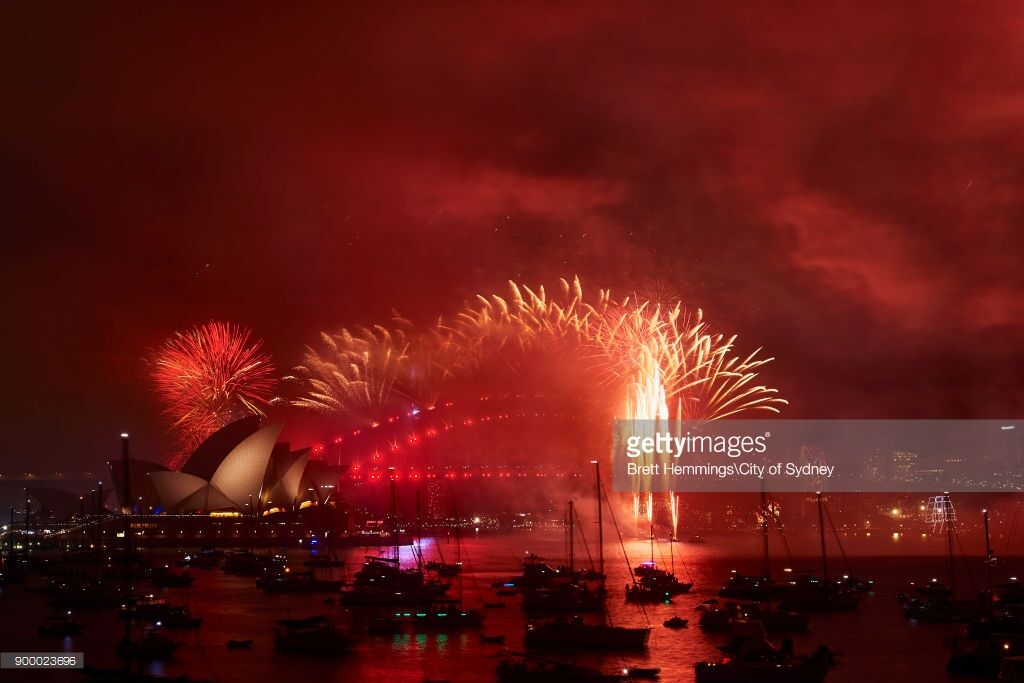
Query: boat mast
{"type": "Point", "coordinates": [418, 547]}
{"type": "Point", "coordinates": [947, 511]}
{"type": "Point", "coordinates": [572, 547]}
{"type": "Point", "coordinates": [127, 511]}
{"type": "Point", "coordinates": [394, 521]}
{"type": "Point", "coordinates": [989, 559]}
{"type": "Point", "coordinates": [672, 557]}
{"type": "Point", "coordinates": [766, 568]}
{"type": "Point", "coordinates": [600, 525]}
{"type": "Point", "coordinates": [821, 530]}
{"type": "Point", "coordinates": [99, 516]}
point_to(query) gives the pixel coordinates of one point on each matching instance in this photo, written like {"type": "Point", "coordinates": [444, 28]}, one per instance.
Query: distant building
{"type": "Point", "coordinates": [904, 466]}
{"type": "Point", "coordinates": [877, 466]}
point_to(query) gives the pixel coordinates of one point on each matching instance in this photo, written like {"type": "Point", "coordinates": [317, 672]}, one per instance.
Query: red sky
{"type": "Point", "coordinates": [842, 186]}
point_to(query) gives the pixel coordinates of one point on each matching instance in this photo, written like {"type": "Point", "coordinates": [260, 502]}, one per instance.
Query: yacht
{"type": "Point", "coordinates": [313, 635]}
{"type": "Point", "coordinates": [296, 582]}
{"type": "Point", "coordinates": [541, 670]}
{"type": "Point", "coordinates": [575, 634]}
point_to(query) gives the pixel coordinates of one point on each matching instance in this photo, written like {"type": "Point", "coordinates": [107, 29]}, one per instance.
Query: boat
{"type": "Point", "coordinates": [981, 657]}
{"type": "Point", "coordinates": [244, 563]}
{"type": "Point", "coordinates": [99, 674]}
{"type": "Point", "coordinates": [931, 589]}
{"type": "Point", "coordinates": [207, 558]}
{"type": "Point", "coordinates": [715, 617]}
{"type": "Point", "coordinates": [643, 672]}
{"type": "Point", "coordinates": [575, 634]}
{"type": "Point", "coordinates": [766, 668]}
{"type": "Point", "coordinates": [761, 586]}
{"type": "Point", "coordinates": [641, 593]}
{"type": "Point", "coordinates": [443, 568]}
{"type": "Point", "coordinates": [650, 575]}
{"type": "Point", "coordinates": [381, 581]}
{"type": "Point", "coordinates": [811, 594]}
{"type": "Point", "coordinates": [1010, 593]}
{"type": "Point", "coordinates": [240, 644]}
{"type": "Point", "coordinates": [441, 616]}
{"type": "Point", "coordinates": [744, 635]}
{"type": "Point", "coordinates": [97, 595]}
{"type": "Point", "coordinates": [822, 598]}
{"type": "Point", "coordinates": [165, 578]}
{"type": "Point", "coordinates": [1011, 669]}
{"type": "Point", "coordinates": [749, 587]}
{"type": "Point", "coordinates": [494, 605]}
{"type": "Point", "coordinates": [323, 562]}
{"type": "Point", "coordinates": [750, 657]}
{"type": "Point", "coordinates": [564, 597]}
{"type": "Point", "coordinates": [296, 582]}
{"type": "Point", "coordinates": [675, 622]}
{"type": "Point", "coordinates": [313, 635]}
{"type": "Point", "coordinates": [537, 573]}
{"type": "Point", "coordinates": [653, 584]}
{"type": "Point", "coordinates": [564, 589]}
{"type": "Point", "coordinates": [155, 645]}
{"type": "Point", "coordinates": [946, 609]}
{"type": "Point", "coordinates": [542, 670]}
{"type": "Point", "coordinates": [380, 571]}
{"type": "Point", "coordinates": [158, 611]}
{"type": "Point", "coordinates": [61, 627]}
{"type": "Point", "coordinates": [496, 640]}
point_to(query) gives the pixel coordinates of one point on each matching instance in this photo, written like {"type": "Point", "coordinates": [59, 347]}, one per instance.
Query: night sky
{"type": "Point", "coordinates": [843, 187]}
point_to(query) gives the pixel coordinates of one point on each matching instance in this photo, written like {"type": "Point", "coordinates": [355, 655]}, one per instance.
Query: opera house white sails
{"type": "Point", "coordinates": [241, 466]}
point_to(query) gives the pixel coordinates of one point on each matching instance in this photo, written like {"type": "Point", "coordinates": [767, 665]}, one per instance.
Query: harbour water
{"type": "Point", "coordinates": [876, 641]}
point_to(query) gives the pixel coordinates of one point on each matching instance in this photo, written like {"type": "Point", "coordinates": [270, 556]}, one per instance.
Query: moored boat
{"type": "Point", "coordinates": [542, 670]}
{"type": "Point", "coordinates": [314, 635]}
{"type": "Point", "coordinates": [575, 634]}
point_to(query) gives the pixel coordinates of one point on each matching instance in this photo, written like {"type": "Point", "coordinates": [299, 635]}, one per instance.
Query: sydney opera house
{"type": "Point", "coordinates": [239, 470]}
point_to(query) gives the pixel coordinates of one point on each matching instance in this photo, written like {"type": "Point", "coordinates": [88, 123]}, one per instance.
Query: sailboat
{"type": "Point", "coordinates": [765, 664]}
{"type": "Point", "coordinates": [381, 581]}
{"type": "Point", "coordinates": [754, 587]}
{"type": "Point", "coordinates": [564, 592]}
{"type": "Point", "coordinates": [441, 566]}
{"type": "Point", "coordinates": [576, 634]}
{"type": "Point", "coordinates": [653, 584]}
{"type": "Point", "coordinates": [312, 635]}
{"type": "Point", "coordinates": [814, 595]}
{"type": "Point", "coordinates": [532, 669]}
{"type": "Point", "coordinates": [154, 644]}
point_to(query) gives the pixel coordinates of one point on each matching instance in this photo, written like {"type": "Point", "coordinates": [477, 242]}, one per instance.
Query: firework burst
{"type": "Point", "coordinates": [654, 354]}
{"type": "Point", "coordinates": [659, 359]}
{"type": "Point", "coordinates": [208, 377]}
{"type": "Point", "coordinates": [353, 373]}
{"type": "Point", "coordinates": [624, 342]}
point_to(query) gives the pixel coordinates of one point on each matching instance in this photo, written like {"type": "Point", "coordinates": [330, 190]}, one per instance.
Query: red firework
{"type": "Point", "coordinates": [208, 377]}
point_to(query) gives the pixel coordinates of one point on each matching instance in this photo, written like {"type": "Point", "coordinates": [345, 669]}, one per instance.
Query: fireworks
{"type": "Point", "coordinates": [655, 355]}
{"type": "Point", "coordinates": [639, 350]}
{"type": "Point", "coordinates": [624, 342]}
{"type": "Point", "coordinates": [352, 374]}
{"type": "Point", "coordinates": [208, 377]}
{"type": "Point", "coordinates": [429, 364]}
